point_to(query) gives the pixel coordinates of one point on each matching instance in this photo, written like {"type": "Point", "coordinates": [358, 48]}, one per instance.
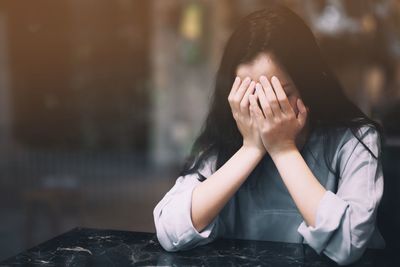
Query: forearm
{"type": "Point", "coordinates": [210, 196]}
{"type": "Point", "coordinates": [301, 183]}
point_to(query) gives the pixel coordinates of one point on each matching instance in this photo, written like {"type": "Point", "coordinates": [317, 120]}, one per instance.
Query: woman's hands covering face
{"type": "Point", "coordinates": [277, 122]}
{"type": "Point", "coordinates": [239, 102]}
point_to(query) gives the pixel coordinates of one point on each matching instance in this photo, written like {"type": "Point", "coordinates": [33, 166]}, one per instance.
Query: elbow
{"type": "Point", "coordinates": [164, 234]}
{"type": "Point", "coordinates": [165, 239]}
{"type": "Point", "coordinates": [168, 239]}
{"type": "Point", "coordinates": [350, 252]}
{"type": "Point", "coordinates": [346, 257]}
{"type": "Point", "coordinates": [165, 243]}
{"type": "Point", "coordinates": [343, 260]}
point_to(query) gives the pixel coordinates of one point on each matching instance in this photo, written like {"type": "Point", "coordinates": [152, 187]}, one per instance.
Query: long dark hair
{"type": "Point", "coordinates": [278, 30]}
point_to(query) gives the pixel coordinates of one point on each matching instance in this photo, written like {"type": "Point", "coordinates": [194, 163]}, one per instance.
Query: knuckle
{"type": "Point", "coordinates": [274, 102]}
{"type": "Point", "coordinates": [236, 100]}
{"type": "Point", "coordinates": [267, 111]}
{"type": "Point", "coordinates": [290, 116]}
{"type": "Point", "coordinates": [265, 129]}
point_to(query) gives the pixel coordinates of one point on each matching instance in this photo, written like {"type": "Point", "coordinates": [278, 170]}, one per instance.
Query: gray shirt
{"type": "Point", "coordinates": [262, 208]}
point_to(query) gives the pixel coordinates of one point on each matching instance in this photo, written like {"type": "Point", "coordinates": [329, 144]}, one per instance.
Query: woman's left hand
{"type": "Point", "coordinates": [276, 120]}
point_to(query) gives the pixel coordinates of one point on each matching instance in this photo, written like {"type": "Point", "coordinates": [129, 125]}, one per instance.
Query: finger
{"type": "Point", "coordinates": [255, 111]}
{"type": "Point", "coordinates": [281, 96]}
{"type": "Point", "coordinates": [235, 87]}
{"type": "Point", "coordinates": [302, 116]}
{"type": "Point", "coordinates": [244, 104]}
{"type": "Point", "coordinates": [271, 97]}
{"type": "Point", "coordinates": [264, 102]}
{"type": "Point", "coordinates": [237, 98]}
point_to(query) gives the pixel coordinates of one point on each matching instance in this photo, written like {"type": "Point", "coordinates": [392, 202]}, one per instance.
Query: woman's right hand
{"type": "Point", "coordinates": [239, 102]}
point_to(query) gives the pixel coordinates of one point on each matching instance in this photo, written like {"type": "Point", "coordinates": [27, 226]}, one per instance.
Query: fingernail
{"type": "Point", "coordinates": [301, 105]}
{"type": "Point", "coordinates": [247, 79]}
{"type": "Point", "coordinates": [263, 78]}
{"type": "Point", "coordinates": [237, 78]}
{"type": "Point", "coordinates": [275, 78]}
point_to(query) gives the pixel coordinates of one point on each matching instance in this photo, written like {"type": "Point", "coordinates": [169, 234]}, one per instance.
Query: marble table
{"type": "Point", "coordinates": [93, 247]}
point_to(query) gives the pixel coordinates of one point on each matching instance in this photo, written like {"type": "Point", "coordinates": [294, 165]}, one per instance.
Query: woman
{"type": "Point", "coordinates": [283, 155]}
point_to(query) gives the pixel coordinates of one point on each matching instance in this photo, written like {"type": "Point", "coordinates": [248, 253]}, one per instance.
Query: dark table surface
{"type": "Point", "coordinates": [93, 247]}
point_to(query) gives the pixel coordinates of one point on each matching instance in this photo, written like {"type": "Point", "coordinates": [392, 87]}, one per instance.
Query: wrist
{"type": "Point", "coordinates": [254, 149]}
{"type": "Point", "coordinates": [283, 149]}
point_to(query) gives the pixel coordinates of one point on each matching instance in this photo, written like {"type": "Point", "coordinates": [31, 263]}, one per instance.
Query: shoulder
{"type": "Point", "coordinates": [365, 137]}
{"type": "Point", "coordinates": [208, 165]}
{"type": "Point", "coordinates": [359, 148]}
{"type": "Point", "coordinates": [343, 144]}
{"type": "Point", "coordinates": [190, 178]}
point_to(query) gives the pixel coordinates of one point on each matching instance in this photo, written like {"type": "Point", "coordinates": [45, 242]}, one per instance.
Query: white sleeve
{"type": "Point", "coordinates": [345, 221]}
{"type": "Point", "coordinates": [172, 217]}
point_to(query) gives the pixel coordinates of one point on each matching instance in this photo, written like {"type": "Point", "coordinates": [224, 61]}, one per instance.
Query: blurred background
{"type": "Point", "coordinates": [100, 101]}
